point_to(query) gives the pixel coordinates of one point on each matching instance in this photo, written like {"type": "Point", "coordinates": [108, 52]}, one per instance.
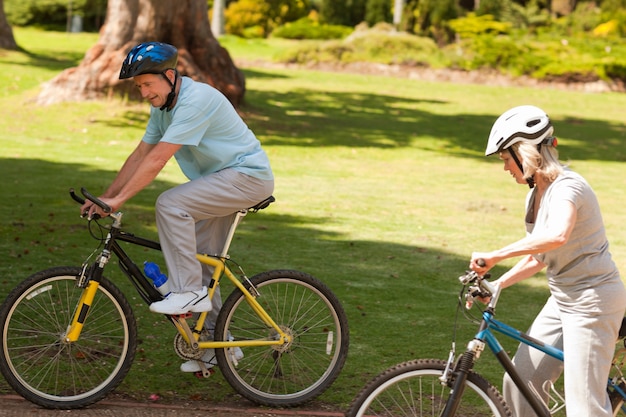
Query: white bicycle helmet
{"type": "Point", "coordinates": [522, 123]}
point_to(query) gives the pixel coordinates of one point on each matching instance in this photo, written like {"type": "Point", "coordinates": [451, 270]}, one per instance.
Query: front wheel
{"type": "Point", "coordinates": [290, 374]}
{"type": "Point", "coordinates": [414, 389]}
{"type": "Point", "coordinates": [41, 365]}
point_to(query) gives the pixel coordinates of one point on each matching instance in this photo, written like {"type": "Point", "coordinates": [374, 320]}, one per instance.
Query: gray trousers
{"type": "Point", "coordinates": [588, 344]}
{"type": "Point", "coordinates": [195, 217]}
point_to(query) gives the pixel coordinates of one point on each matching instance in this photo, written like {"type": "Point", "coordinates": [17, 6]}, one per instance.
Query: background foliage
{"type": "Point", "coordinates": [542, 39]}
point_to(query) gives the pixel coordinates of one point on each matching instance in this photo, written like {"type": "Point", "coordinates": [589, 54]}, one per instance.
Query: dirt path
{"type": "Point", "coordinates": [16, 406]}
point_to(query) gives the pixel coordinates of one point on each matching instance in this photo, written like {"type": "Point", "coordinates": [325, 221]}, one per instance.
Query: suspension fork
{"type": "Point", "coordinates": [85, 302]}
{"type": "Point", "coordinates": [461, 371]}
{"type": "Point", "coordinates": [82, 311]}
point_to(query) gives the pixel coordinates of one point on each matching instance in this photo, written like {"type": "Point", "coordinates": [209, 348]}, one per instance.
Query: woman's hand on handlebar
{"type": "Point", "coordinates": [481, 262]}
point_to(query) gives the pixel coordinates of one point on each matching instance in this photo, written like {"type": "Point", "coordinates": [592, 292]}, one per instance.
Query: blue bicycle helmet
{"type": "Point", "coordinates": [149, 58]}
{"type": "Point", "coordinates": [152, 58]}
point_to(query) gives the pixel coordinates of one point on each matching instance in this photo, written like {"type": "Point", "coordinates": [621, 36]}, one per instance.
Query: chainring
{"type": "Point", "coordinates": [185, 351]}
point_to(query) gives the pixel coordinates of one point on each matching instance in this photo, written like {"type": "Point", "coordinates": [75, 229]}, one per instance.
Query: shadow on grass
{"type": "Point", "coordinates": [400, 299]}
{"type": "Point", "coordinates": [311, 118]}
{"type": "Point", "coordinates": [251, 73]}
{"type": "Point", "coordinates": [60, 61]}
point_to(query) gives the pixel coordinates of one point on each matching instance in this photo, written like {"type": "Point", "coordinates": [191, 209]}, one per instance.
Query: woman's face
{"type": "Point", "coordinates": [512, 168]}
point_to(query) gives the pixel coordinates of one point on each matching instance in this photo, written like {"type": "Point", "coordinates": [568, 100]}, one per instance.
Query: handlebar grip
{"type": "Point", "coordinates": [76, 197]}
{"type": "Point", "coordinates": [105, 207]}
{"type": "Point", "coordinates": [481, 262]}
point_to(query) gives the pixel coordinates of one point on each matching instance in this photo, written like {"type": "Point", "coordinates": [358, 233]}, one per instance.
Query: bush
{"type": "Point", "coordinates": [393, 48]}
{"type": "Point", "coordinates": [370, 46]}
{"type": "Point", "coordinates": [307, 53]}
{"type": "Point", "coordinates": [307, 28]}
{"type": "Point", "coordinates": [244, 14]}
{"type": "Point", "coordinates": [616, 70]}
{"type": "Point", "coordinates": [472, 25]}
{"type": "Point", "coordinates": [258, 18]}
{"type": "Point", "coordinates": [484, 51]}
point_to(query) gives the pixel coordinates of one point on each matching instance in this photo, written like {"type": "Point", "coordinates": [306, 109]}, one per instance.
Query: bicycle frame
{"type": "Point", "coordinates": [89, 280]}
{"type": "Point", "coordinates": [486, 336]}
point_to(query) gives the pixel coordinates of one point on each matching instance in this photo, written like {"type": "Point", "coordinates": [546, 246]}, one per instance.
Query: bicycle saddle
{"type": "Point", "coordinates": [263, 204]}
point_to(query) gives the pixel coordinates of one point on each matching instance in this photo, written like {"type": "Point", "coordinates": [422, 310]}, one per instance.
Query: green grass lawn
{"type": "Point", "coordinates": [381, 185]}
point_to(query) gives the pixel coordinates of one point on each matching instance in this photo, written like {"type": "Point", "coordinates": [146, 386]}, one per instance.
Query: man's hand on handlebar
{"type": "Point", "coordinates": [92, 207]}
{"type": "Point", "coordinates": [92, 210]}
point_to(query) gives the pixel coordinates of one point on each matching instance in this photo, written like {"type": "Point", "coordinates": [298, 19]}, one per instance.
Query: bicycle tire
{"type": "Point", "coordinates": [413, 389]}
{"type": "Point", "coordinates": [292, 374]}
{"type": "Point", "coordinates": [37, 362]}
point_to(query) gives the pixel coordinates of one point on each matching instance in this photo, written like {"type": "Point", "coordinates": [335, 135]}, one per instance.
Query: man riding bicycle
{"type": "Point", "coordinates": [227, 170]}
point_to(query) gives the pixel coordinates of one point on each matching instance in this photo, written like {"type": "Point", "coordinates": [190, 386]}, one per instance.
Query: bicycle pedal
{"type": "Point", "coordinates": [200, 375]}
{"type": "Point", "coordinates": [182, 316]}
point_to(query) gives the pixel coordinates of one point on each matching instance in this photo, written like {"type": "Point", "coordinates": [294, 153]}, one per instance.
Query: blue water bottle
{"type": "Point", "coordinates": [159, 279]}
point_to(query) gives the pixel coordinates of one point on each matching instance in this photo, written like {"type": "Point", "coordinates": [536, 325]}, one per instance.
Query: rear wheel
{"type": "Point", "coordinates": [414, 389]}
{"type": "Point", "coordinates": [296, 372]}
{"type": "Point", "coordinates": [37, 361]}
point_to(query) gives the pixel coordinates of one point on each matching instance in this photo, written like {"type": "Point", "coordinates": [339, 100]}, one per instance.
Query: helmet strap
{"type": "Point", "coordinates": [172, 94]}
{"type": "Point", "coordinates": [529, 180]}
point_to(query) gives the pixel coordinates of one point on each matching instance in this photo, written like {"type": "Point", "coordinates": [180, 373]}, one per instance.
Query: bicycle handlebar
{"type": "Point", "coordinates": [479, 287]}
{"type": "Point", "coordinates": [104, 206]}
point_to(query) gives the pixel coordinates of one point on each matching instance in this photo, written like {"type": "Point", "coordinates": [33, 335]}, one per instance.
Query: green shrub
{"type": "Point", "coordinates": [485, 51]}
{"type": "Point", "coordinates": [616, 70]}
{"type": "Point", "coordinates": [258, 18]}
{"type": "Point", "coordinates": [472, 25]}
{"type": "Point", "coordinates": [370, 46]}
{"type": "Point", "coordinates": [393, 48]}
{"type": "Point", "coordinates": [307, 28]}
{"type": "Point", "coordinates": [244, 14]}
{"type": "Point", "coordinates": [315, 52]}
{"type": "Point", "coordinates": [253, 32]}
{"type": "Point", "coordinates": [569, 72]}
{"type": "Point", "coordinates": [585, 18]}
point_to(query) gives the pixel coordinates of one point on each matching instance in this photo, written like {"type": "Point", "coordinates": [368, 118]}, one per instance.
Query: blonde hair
{"type": "Point", "coordinates": [544, 162]}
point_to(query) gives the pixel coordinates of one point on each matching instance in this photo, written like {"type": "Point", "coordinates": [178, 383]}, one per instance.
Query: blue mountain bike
{"type": "Point", "coordinates": [432, 387]}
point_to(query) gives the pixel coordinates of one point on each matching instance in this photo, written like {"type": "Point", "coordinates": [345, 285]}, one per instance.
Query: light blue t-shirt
{"type": "Point", "coordinates": [213, 135]}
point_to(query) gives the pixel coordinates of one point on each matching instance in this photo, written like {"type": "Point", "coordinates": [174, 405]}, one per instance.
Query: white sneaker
{"type": "Point", "coordinates": [209, 360]}
{"type": "Point", "coordinates": [183, 302]}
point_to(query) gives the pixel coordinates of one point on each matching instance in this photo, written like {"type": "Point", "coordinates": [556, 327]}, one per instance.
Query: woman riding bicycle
{"type": "Point", "coordinates": [565, 235]}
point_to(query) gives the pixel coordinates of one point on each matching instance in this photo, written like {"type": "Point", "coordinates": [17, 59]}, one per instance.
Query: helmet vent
{"type": "Point", "coordinates": [533, 123]}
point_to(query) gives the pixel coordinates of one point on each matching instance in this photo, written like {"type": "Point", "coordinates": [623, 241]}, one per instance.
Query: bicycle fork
{"type": "Point", "coordinates": [459, 376]}
{"type": "Point", "coordinates": [82, 310]}
{"type": "Point", "coordinates": [89, 282]}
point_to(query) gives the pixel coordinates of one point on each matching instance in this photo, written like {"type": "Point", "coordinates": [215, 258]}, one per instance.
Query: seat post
{"type": "Point", "coordinates": [238, 216]}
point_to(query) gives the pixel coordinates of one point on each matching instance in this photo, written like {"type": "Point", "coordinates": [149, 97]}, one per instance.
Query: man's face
{"type": "Point", "coordinates": [153, 87]}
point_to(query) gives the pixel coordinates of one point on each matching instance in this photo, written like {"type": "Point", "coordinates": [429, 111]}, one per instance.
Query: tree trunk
{"type": "Point", "coordinates": [217, 22]}
{"type": "Point", "coordinates": [182, 23]}
{"type": "Point", "coordinates": [398, 8]}
{"type": "Point", "coordinates": [7, 41]}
